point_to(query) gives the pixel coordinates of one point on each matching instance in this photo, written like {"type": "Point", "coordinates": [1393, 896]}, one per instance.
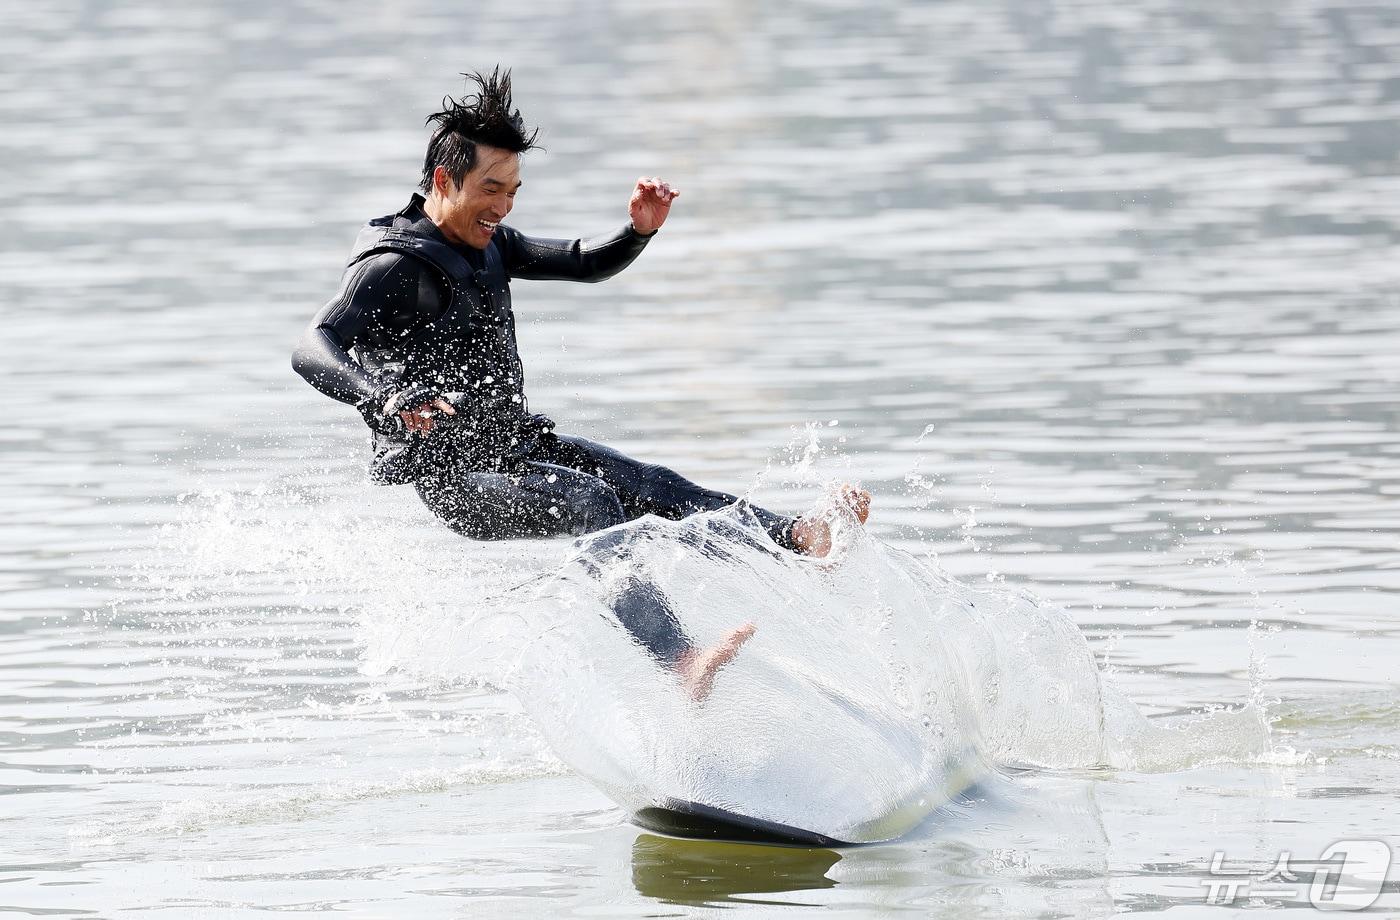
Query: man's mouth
{"type": "Point", "coordinates": [487, 225]}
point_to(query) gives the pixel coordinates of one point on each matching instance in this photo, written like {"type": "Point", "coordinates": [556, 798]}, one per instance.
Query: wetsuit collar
{"type": "Point", "coordinates": [415, 213]}
{"type": "Point", "coordinates": [422, 224]}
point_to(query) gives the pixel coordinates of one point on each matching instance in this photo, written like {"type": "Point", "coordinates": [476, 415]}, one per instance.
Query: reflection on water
{"type": "Point", "coordinates": [1099, 296]}
{"type": "Point", "coordinates": [708, 872]}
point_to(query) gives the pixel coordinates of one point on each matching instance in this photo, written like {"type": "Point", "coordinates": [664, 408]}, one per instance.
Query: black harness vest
{"type": "Point", "coordinates": [468, 347]}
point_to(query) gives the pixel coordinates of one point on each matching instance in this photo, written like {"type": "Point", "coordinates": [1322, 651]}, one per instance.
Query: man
{"type": "Point", "coordinates": [421, 339]}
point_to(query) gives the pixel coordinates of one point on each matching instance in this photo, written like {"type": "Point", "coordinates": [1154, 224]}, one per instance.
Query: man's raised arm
{"type": "Point", "coordinates": [596, 258]}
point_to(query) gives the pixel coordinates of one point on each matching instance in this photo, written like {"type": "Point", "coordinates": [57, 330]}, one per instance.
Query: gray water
{"type": "Point", "coordinates": [1099, 296]}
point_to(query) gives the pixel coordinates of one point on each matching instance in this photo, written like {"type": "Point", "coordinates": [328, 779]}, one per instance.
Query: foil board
{"type": "Point", "coordinates": [706, 822]}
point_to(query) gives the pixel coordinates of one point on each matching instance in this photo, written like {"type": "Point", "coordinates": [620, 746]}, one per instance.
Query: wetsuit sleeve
{"type": "Point", "coordinates": [379, 297]}
{"type": "Point", "coordinates": [594, 259]}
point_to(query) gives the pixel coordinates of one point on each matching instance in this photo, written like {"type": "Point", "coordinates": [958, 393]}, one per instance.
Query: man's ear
{"type": "Point", "coordinates": [442, 182]}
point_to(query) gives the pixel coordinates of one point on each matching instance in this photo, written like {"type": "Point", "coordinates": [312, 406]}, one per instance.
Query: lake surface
{"type": "Point", "coordinates": [1099, 300]}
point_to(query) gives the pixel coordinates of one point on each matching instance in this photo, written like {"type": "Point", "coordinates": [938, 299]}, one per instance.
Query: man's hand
{"type": "Point", "coordinates": [421, 418]}
{"type": "Point", "coordinates": [384, 410]}
{"type": "Point", "coordinates": [651, 202]}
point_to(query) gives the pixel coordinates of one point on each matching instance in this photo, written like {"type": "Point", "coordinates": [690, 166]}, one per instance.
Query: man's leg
{"type": "Point", "coordinates": [643, 611]}
{"type": "Point", "coordinates": [539, 501]}
{"type": "Point", "coordinates": [649, 488]}
{"type": "Point", "coordinates": [646, 488]}
{"type": "Point", "coordinates": [546, 500]}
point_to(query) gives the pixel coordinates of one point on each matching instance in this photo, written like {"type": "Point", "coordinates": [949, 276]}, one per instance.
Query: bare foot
{"type": "Point", "coordinates": [697, 667]}
{"type": "Point", "coordinates": [812, 535]}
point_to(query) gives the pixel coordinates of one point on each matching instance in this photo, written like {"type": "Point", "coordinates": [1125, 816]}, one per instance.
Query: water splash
{"type": "Point", "coordinates": [874, 689]}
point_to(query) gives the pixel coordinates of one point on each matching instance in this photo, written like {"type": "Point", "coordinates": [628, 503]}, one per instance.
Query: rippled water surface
{"type": "Point", "coordinates": [1097, 298]}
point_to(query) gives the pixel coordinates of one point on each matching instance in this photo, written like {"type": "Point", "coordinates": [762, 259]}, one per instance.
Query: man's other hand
{"type": "Point", "coordinates": [651, 202]}
{"type": "Point", "coordinates": [421, 418]}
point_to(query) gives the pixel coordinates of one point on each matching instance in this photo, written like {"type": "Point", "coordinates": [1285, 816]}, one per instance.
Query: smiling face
{"type": "Point", "coordinates": [467, 213]}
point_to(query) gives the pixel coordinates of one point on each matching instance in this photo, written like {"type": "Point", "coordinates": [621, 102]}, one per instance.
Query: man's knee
{"type": "Point", "coordinates": [592, 505]}
{"type": "Point", "coordinates": [461, 508]}
{"type": "Point", "coordinates": [673, 495]}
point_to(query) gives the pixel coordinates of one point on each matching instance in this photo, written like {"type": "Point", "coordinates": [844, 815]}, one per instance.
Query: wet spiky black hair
{"type": "Point", "coordinates": [484, 117]}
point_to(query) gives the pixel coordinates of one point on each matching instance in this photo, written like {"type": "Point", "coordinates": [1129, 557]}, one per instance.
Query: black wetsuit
{"type": "Point", "coordinates": [414, 310]}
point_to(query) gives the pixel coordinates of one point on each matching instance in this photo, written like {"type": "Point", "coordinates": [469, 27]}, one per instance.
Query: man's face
{"type": "Point", "coordinates": [469, 212]}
